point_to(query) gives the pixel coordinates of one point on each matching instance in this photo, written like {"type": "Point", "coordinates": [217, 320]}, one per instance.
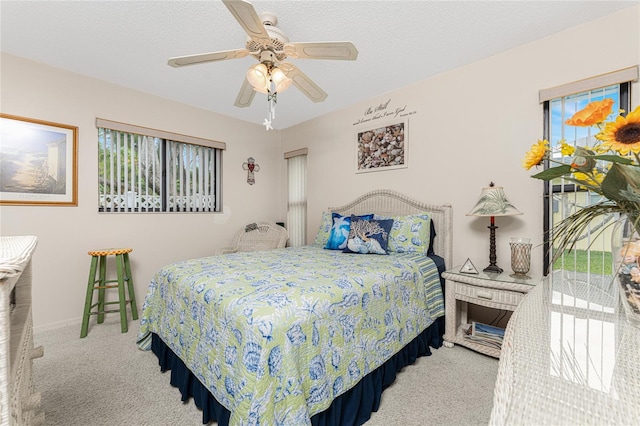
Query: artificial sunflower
{"type": "Point", "coordinates": [610, 168]}
{"type": "Point", "coordinates": [536, 154]}
{"type": "Point", "coordinates": [623, 134]}
{"type": "Point", "coordinates": [594, 179]}
{"type": "Point", "coordinates": [566, 150]}
{"type": "Point", "coordinates": [594, 113]}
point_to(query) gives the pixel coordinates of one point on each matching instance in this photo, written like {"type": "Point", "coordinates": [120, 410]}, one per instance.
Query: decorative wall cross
{"type": "Point", "coordinates": [250, 166]}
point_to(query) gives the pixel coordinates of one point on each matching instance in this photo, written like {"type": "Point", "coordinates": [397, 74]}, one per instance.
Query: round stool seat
{"type": "Point", "coordinates": [99, 283]}
{"type": "Point", "coordinates": [110, 251]}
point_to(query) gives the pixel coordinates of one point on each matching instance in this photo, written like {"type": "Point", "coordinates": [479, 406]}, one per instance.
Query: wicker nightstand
{"type": "Point", "coordinates": [496, 291]}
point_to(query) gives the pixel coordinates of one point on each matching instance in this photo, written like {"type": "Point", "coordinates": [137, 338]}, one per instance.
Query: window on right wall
{"type": "Point", "coordinates": [297, 196]}
{"type": "Point", "coordinates": [592, 253]}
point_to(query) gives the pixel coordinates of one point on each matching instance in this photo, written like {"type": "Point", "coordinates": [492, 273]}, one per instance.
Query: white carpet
{"type": "Point", "coordinates": [104, 379]}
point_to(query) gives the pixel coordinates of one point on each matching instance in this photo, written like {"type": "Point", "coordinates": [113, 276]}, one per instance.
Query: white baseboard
{"type": "Point", "coordinates": [77, 322]}
{"type": "Point", "coordinates": [53, 326]}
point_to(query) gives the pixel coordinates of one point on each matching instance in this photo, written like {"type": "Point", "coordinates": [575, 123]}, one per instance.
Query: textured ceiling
{"type": "Point", "coordinates": [399, 42]}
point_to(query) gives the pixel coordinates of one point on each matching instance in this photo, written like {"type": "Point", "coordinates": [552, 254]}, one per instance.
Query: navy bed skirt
{"type": "Point", "coordinates": [353, 408]}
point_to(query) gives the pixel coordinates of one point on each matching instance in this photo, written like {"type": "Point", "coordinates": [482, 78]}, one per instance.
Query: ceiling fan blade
{"type": "Point", "coordinates": [303, 82]}
{"type": "Point", "coordinates": [246, 94]}
{"type": "Point", "coordinates": [341, 50]}
{"type": "Point", "coordinates": [180, 61]}
{"type": "Point", "coordinates": [248, 19]}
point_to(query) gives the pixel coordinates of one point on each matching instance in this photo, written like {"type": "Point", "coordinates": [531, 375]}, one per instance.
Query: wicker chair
{"type": "Point", "coordinates": [258, 236]}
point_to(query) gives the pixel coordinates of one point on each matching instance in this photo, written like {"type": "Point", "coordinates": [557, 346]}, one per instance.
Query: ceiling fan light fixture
{"type": "Point", "coordinates": [258, 76]}
{"type": "Point", "coordinates": [280, 79]}
{"type": "Point", "coordinates": [270, 46]}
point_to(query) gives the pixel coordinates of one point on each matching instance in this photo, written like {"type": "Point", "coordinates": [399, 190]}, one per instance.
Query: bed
{"type": "Point", "coordinates": [304, 335]}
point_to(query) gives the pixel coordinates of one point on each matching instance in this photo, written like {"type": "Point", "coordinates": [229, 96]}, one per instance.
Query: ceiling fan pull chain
{"type": "Point", "coordinates": [272, 108]}
{"type": "Point", "coordinates": [271, 99]}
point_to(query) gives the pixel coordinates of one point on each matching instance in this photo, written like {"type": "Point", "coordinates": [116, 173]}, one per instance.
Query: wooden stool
{"type": "Point", "coordinates": [100, 284]}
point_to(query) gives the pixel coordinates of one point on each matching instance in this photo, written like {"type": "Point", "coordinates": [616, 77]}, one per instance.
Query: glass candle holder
{"type": "Point", "coordinates": [520, 257]}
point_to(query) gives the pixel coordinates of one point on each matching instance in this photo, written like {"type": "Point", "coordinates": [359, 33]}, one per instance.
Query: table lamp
{"type": "Point", "coordinates": [493, 202]}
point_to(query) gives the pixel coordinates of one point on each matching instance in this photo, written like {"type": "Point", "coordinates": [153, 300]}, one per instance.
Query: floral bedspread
{"type": "Point", "coordinates": [277, 335]}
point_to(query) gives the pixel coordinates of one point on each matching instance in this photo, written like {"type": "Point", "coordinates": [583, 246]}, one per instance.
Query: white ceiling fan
{"type": "Point", "coordinates": [270, 46]}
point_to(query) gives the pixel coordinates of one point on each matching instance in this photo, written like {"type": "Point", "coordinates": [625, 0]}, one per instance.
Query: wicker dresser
{"type": "Point", "coordinates": [18, 399]}
{"type": "Point", "coordinates": [569, 357]}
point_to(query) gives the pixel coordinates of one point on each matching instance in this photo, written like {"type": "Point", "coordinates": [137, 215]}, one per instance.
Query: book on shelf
{"type": "Point", "coordinates": [484, 333]}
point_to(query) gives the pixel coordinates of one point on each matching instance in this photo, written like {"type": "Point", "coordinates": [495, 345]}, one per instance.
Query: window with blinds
{"type": "Point", "coordinates": [590, 260]}
{"type": "Point", "coordinates": [143, 170]}
{"type": "Point", "coordinates": [562, 198]}
{"type": "Point", "coordinates": [297, 196]}
{"type": "Point", "coordinates": [593, 252]}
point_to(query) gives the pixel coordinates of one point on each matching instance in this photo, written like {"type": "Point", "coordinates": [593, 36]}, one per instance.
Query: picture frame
{"type": "Point", "coordinates": [382, 146]}
{"type": "Point", "coordinates": [39, 162]}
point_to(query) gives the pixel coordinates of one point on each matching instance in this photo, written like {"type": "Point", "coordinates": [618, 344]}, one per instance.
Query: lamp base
{"type": "Point", "coordinates": [493, 269]}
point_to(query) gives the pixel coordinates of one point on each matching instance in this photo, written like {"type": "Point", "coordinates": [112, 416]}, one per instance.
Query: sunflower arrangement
{"type": "Point", "coordinates": [610, 168]}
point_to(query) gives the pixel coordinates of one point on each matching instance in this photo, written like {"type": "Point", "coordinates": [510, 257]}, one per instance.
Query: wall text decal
{"type": "Point", "coordinates": [383, 110]}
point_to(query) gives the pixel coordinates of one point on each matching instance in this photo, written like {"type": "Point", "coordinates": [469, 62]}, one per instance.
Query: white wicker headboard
{"type": "Point", "coordinates": [386, 202]}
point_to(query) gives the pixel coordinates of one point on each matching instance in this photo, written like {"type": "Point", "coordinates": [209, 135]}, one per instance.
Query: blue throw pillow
{"type": "Point", "coordinates": [340, 230]}
{"type": "Point", "coordinates": [368, 236]}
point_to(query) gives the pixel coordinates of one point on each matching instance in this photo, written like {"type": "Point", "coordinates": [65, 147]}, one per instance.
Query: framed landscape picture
{"type": "Point", "coordinates": [382, 147]}
{"type": "Point", "coordinates": [38, 162]}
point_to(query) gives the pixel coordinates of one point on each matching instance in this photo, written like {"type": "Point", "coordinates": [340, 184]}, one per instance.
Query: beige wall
{"type": "Point", "coordinates": [466, 128]}
{"type": "Point", "coordinates": [65, 234]}
{"type": "Point", "coordinates": [469, 126]}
